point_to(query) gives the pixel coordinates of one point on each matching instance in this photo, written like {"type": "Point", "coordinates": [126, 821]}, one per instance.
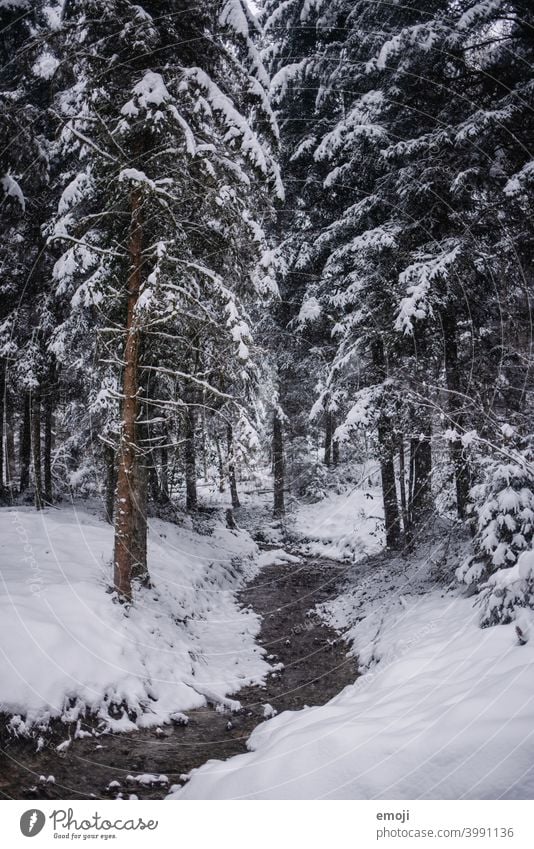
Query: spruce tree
{"type": "Point", "coordinates": [159, 223]}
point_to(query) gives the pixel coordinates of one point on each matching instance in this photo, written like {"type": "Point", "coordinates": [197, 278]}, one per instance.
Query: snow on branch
{"type": "Point", "coordinates": [151, 91]}
{"type": "Point", "coordinates": [285, 77]}
{"type": "Point", "coordinates": [76, 190]}
{"type": "Point", "coordinates": [46, 65]}
{"type": "Point", "coordinates": [422, 36]}
{"type": "Point", "coordinates": [309, 7]}
{"type": "Point", "coordinates": [236, 123]}
{"type": "Point", "coordinates": [238, 17]}
{"type": "Point", "coordinates": [310, 311]}
{"type": "Point", "coordinates": [522, 181]}
{"type": "Point", "coordinates": [418, 278]}
{"type": "Point", "coordinates": [361, 121]}
{"type": "Point", "coordinates": [480, 12]}
{"type": "Point", "coordinates": [370, 242]}
{"type": "Point", "coordinates": [483, 121]}
{"type": "Point", "coordinates": [13, 190]}
{"type": "Point", "coordinates": [133, 175]}
{"type": "Point", "coordinates": [362, 413]}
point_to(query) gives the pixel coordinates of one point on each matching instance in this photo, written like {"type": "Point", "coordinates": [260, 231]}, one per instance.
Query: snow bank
{"type": "Point", "coordinates": [443, 709]}
{"type": "Point", "coordinates": [342, 526]}
{"type": "Point", "coordinates": [276, 557]}
{"type": "Point", "coordinates": [67, 647]}
{"type": "Point", "coordinates": [447, 713]}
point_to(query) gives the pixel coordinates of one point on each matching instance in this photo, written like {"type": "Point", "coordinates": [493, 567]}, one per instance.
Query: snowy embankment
{"type": "Point", "coordinates": [443, 709]}
{"type": "Point", "coordinates": [67, 648]}
{"type": "Point", "coordinates": [448, 713]}
{"type": "Point", "coordinates": [342, 526]}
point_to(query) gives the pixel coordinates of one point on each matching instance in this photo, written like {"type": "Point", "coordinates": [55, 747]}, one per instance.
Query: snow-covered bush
{"type": "Point", "coordinates": [507, 590]}
{"type": "Point", "coordinates": [307, 474]}
{"type": "Point", "coordinates": [503, 515]}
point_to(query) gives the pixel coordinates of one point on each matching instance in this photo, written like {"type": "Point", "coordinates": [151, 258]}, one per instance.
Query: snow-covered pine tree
{"type": "Point", "coordinates": [417, 252]}
{"type": "Point", "coordinates": [450, 170]}
{"type": "Point", "coordinates": [503, 517]}
{"type": "Point", "coordinates": [294, 42]}
{"type": "Point", "coordinates": [26, 169]}
{"type": "Point", "coordinates": [358, 249]}
{"type": "Point", "coordinates": [161, 221]}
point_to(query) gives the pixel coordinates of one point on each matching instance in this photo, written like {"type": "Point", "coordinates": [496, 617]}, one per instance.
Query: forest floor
{"type": "Point", "coordinates": [311, 665]}
{"type": "Point", "coordinates": [382, 681]}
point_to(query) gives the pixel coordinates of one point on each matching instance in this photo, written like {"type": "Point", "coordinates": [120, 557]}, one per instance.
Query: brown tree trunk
{"type": "Point", "coordinates": [36, 443]}
{"type": "Point", "coordinates": [140, 528]}
{"type": "Point", "coordinates": [154, 479]}
{"type": "Point", "coordinates": [11, 462]}
{"type": "Point", "coordinates": [421, 454]}
{"type": "Point", "coordinates": [389, 489]}
{"type": "Point", "coordinates": [125, 504]}
{"type": "Point", "coordinates": [111, 481]}
{"type": "Point", "coordinates": [191, 495]}
{"type": "Point", "coordinates": [49, 405]}
{"type": "Point", "coordinates": [278, 465]}
{"type": "Point", "coordinates": [220, 463]}
{"type": "Point", "coordinates": [164, 458]}
{"type": "Point", "coordinates": [402, 480]}
{"type": "Point", "coordinates": [328, 439]}
{"type": "Point", "coordinates": [386, 457]}
{"type": "Point", "coordinates": [335, 444]}
{"type": "Point", "coordinates": [231, 467]}
{"type": "Point", "coordinates": [421, 442]}
{"type": "Point", "coordinates": [2, 419]}
{"type": "Point", "coordinates": [452, 373]}
{"type": "Point", "coordinates": [25, 444]}
{"type": "Point", "coordinates": [204, 441]}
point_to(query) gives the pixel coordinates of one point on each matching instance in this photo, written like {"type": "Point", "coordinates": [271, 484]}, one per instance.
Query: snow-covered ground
{"type": "Point", "coordinates": [67, 647]}
{"type": "Point", "coordinates": [343, 526]}
{"type": "Point", "coordinates": [443, 709]}
{"type": "Point", "coordinates": [448, 713]}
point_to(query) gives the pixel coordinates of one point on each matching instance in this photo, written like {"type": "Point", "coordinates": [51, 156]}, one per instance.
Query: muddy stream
{"type": "Point", "coordinates": [316, 668]}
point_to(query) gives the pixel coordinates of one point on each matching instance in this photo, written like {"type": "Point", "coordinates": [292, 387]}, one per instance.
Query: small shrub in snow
{"type": "Point", "coordinates": [507, 590]}
{"type": "Point", "coordinates": [308, 474]}
{"type": "Point", "coordinates": [503, 511]}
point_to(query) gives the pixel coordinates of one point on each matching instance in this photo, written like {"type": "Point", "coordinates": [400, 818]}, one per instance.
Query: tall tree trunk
{"type": "Point", "coordinates": [389, 489]}
{"type": "Point", "coordinates": [2, 419]}
{"type": "Point", "coordinates": [421, 453]}
{"type": "Point", "coordinates": [25, 444]}
{"type": "Point", "coordinates": [220, 463]}
{"type": "Point", "coordinates": [49, 406]}
{"type": "Point", "coordinates": [386, 456]}
{"type": "Point", "coordinates": [164, 458]}
{"type": "Point", "coordinates": [402, 481]}
{"type": "Point", "coordinates": [421, 442]}
{"type": "Point", "coordinates": [204, 441]}
{"type": "Point", "coordinates": [125, 505]}
{"type": "Point", "coordinates": [278, 465]}
{"type": "Point", "coordinates": [191, 496]}
{"type": "Point", "coordinates": [111, 481]}
{"type": "Point", "coordinates": [36, 441]}
{"type": "Point", "coordinates": [231, 466]}
{"type": "Point", "coordinates": [335, 443]}
{"type": "Point", "coordinates": [328, 439]}
{"type": "Point", "coordinates": [452, 373]}
{"type": "Point", "coordinates": [11, 462]}
{"type": "Point", "coordinates": [154, 479]}
{"type": "Point", "coordinates": [140, 528]}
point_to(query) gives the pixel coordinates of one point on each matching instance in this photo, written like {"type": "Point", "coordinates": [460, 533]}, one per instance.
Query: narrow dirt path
{"type": "Point", "coordinates": [315, 668]}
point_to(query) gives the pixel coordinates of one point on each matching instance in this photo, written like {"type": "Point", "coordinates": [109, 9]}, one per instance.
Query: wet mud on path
{"type": "Point", "coordinates": [315, 668]}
